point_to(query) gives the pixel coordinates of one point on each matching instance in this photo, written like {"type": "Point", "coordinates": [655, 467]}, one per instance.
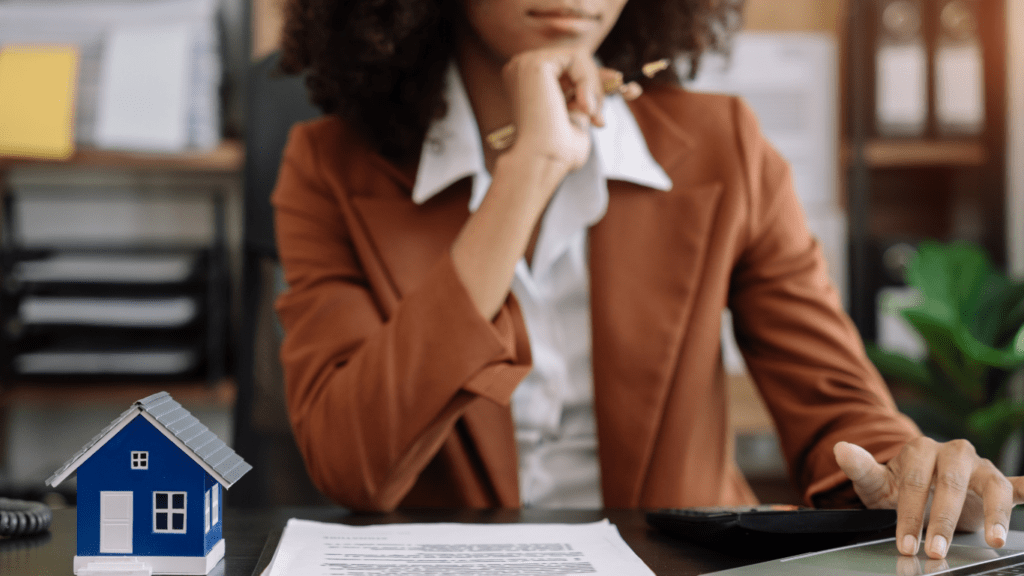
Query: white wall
{"type": "Point", "coordinates": [1015, 151]}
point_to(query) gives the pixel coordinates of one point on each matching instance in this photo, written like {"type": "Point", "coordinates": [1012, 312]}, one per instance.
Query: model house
{"type": "Point", "coordinates": [149, 492]}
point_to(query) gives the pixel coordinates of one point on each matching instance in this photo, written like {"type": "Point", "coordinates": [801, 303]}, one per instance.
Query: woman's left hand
{"type": "Point", "coordinates": [965, 490]}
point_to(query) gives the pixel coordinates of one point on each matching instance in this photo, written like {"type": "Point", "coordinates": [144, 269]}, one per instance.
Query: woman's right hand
{"type": "Point", "coordinates": [557, 95]}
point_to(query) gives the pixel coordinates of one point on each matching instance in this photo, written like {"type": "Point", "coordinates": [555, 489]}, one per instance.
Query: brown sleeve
{"type": "Point", "coordinates": [371, 399]}
{"type": "Point", "coordinates": [800, 346]}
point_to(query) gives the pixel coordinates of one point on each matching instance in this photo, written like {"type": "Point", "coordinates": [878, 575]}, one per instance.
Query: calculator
{"type": "Point", "coordinates": [772, 530]}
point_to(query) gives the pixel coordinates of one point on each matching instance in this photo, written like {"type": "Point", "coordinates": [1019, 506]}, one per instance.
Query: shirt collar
{"type": "Point", "coordinates": [452, 149]}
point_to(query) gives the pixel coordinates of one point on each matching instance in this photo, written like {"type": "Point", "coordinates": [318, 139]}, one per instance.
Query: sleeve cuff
{"type": "Point", "coordinates": [487, 358]}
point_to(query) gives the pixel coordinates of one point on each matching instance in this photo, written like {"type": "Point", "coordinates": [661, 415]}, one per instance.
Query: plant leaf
{"type": "Point", "coordinates": [929, 273]}
{"type": "Point", "coordinates": [986, 318]}
{"type": "Point", "coordinates": [946, 337]}
{"type": "Point", "coordinates": [952, 275]}
{"type": "Point", "coordinates": [917, 375]}
{"type": "Point", "coordinates": [938, 332]}
{"type": "Point", "coordinates": [898, 366]}
{"type": "Point", "coordinates": [992, 425]}
{"type": "Point", "coordinates": [1014, 318]}
{"type": "Point", "coordinates": [1007, 358]}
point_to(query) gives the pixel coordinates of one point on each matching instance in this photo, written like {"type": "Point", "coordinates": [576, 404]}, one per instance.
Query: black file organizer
{"type": "Point", "coordinates": [197, 341]}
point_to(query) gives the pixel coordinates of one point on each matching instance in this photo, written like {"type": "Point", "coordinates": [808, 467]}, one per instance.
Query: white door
{"type": "Point", "coordinates": [115, 522]}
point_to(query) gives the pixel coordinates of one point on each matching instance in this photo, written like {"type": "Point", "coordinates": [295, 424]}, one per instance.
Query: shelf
{"type": "Point", "coordinates": [220, 394]}
{"type": "Point", "coordinates": [920, 153]}
{"type": "Point", "coordinates": [227, 157]}
{"type": "Point", "coordinates": [795, 15]}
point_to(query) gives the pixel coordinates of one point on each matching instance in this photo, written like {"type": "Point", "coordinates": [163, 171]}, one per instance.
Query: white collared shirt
{"type": "Point", "coordinates": [556, 433]}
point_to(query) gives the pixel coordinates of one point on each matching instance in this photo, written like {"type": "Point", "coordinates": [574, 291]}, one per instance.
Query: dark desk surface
{"type": "Point", "coordinates": [246, 531]}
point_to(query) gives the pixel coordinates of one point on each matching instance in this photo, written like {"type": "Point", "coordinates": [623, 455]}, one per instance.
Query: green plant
{"type": "Point", "coordinates": [971, 317]}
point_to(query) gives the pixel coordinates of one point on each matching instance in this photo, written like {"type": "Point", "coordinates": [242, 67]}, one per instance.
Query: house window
{"type": "Point", "coordinates": [216, 505]}
{"type": "Point", "coordinates": [169, 512]}
{"type": "Point", "coordinates": [140, 460]}
{"type": "Point", "coordinates": [212, 506]}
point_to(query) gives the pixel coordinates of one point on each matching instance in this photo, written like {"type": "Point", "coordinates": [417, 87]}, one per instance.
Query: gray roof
{"type": "Point", "coordinates": [202, 445]}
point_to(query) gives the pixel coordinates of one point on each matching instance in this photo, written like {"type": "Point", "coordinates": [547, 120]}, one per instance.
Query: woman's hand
{"type": "Point", "coordinates": [556, 94]}
{"type": "Point", "coordinates": [966, 491]}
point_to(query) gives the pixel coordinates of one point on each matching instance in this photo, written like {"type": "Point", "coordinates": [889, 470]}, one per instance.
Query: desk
{"type": "Point", "coordinates": [245, 532]}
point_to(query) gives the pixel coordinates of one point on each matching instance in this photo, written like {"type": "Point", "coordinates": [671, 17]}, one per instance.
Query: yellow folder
{"type": "Point", "coordinates": [37, 101]}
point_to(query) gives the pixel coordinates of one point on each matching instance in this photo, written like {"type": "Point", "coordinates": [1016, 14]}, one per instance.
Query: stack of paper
{"type": "Point", "coordinates": [318, 549]}
{"type": "Point", "coordinates": [169, 312]}
{"type": "Point", "coordinates": [108, 268]}
{"type": "Point", "coordinates": [51, 215]}
{"type": "Point", "coordinates": [114, 362]}
{"type": "Point", "coordinates": [150, 71]}
{"type": "Point", "coordinates": [106, 279]}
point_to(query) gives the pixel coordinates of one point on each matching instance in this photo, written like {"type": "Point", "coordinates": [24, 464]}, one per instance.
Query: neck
{"type": "Point", "coordinates": [481, 75]}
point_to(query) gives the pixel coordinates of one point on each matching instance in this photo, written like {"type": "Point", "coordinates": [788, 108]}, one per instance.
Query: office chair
{"type": "Point", "coordinates": [262, 432]}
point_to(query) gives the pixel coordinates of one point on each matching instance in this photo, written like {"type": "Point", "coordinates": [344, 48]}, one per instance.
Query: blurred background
{"type": "Point", "coordinates": [139, 141]}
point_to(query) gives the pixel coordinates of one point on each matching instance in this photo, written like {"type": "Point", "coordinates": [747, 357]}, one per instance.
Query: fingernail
{"type": "Point", "coordinates": [999, 534]}
{"type": "Point", "coordinates": [909, 545]}
{"type": "Point", "coordinates": [939, 546]}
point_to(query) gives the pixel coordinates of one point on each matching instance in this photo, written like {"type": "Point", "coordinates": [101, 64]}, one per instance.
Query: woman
{"type": "Point", "coordinates": [474, 325]}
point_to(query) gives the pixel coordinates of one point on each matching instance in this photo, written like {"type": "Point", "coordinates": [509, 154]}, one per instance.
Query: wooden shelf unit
{"type": "Point", "coordinates": [227, 158]}
{"type": "Point", "coordinates": [933, 186]}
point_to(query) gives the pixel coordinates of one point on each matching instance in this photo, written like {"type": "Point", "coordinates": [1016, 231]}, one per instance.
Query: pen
{"type": "Point", "coordinates": [503, 137]}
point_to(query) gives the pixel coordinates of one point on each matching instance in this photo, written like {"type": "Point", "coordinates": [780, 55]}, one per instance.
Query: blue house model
{"type": "Point", "coordinates": [149, 492]}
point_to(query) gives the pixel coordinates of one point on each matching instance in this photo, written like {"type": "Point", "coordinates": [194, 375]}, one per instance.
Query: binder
{"type": "Point", "coordinates": [959, 70]}
{"type": "Point", "coordinates": [901, 69]}
{"type": "Point", "coordinates": [37, 100]}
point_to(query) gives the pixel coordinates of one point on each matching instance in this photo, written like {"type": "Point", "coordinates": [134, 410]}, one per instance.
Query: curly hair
{"type": "Point", "coordinates": [380, 64]}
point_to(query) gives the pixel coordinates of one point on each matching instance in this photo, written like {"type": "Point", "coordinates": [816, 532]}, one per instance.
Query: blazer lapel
{"type": "Point", "coordinates": [646, 257]}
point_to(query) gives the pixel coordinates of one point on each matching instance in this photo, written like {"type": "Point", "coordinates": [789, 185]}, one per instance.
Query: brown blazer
{"type": "Point", "coordinates": [398, 390]}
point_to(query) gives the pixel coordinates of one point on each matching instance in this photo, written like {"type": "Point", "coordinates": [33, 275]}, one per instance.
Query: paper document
{"type": "Point", "coordinates": [119, 268]}
{"type": "Point", "coordinates": [319, 549]}
{"type": "Point", "coordinates": [173, 312]}
{"type": "Point", "coordinates": [154, 363]}
{"type": "Point", "coordinates": [144, 89]}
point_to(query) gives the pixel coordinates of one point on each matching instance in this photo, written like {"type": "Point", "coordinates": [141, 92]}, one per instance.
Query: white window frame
{"type": "Point", "coordinates": [140, 460]}
{"type": "Point", "coordinates": [215, 514]}
{"type": "Point", "coordinates": [170, 511]}
{"type": "Point", "coordinates": [206, 515]}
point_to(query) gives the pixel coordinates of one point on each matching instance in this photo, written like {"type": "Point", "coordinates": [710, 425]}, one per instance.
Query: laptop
{"type": "Point", "coordinates": [968, 554]}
